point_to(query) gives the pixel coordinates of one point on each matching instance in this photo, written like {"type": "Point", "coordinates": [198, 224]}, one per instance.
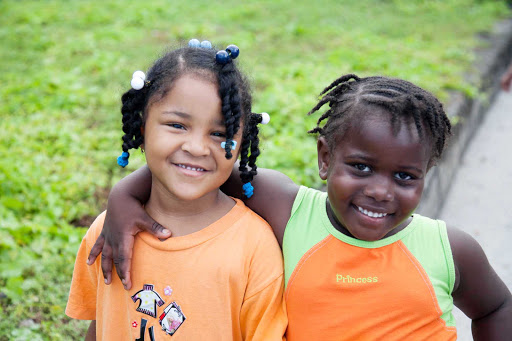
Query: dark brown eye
{"type": "Point", "coordinates": [403, 176]}
{"type": "Point", "coordinates": [362, 167]}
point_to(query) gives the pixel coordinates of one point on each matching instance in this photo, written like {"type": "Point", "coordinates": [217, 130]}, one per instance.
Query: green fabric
{"type": "Point", "coordinates": [430, 245]}
{"type": "Point", "coordinates": [425, 238]}
{"type": "Point", "coordinates": [307, 227]}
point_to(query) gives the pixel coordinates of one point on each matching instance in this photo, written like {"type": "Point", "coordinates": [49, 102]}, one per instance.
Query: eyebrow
{"type": "Point", "coordinates": [188, 116]}
{"type": "Point", "coordinates": [369, 159]}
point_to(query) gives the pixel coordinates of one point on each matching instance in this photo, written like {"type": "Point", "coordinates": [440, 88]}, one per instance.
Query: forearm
{"type": "Point", "coordinates": [496, 325]}
{"type": "Point", "coordinates": [91, 332]}
{"type": "Point", "coordinates": [136, 185]}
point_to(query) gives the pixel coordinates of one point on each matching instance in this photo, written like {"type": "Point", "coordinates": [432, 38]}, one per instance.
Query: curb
{"type": "Point", "coordinates": [491, 63]}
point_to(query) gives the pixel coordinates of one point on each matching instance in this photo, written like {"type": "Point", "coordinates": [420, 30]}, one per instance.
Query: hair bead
{"type": "Point", "coordinates": [233, 51]}
{"type": "Point", "coordinates": [194, 43]}
{"type": "Point", "coordinates": [205, 44]}
{"type": "Point", "coordinates": [229, 143]}
{"type": "Point", "coordinates": [138, 79]}
{"type": "Point", "coordinates": [265, 118]}
{"type": "Point", "coordinates": [248, 189]}
{"type": "Point", "coordinates": [122, 160]}
{"type": "Point", "coordinates": [222, 57]}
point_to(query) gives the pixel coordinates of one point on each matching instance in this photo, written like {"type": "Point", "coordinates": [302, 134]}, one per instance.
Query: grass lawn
{"type": "Point", "coordinates": [66, 63]}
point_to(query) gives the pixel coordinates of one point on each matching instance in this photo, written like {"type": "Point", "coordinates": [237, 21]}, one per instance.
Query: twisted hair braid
{"type": "Point", "coordinates": [250, 144]}
{"type": "Point", "coordinates": [350, 96]}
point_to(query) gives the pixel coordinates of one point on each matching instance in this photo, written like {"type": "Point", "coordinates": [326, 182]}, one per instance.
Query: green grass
{"type": "Point", "coordinates": [66, 63]}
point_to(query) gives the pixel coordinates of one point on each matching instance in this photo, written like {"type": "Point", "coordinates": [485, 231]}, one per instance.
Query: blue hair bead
{"type": "Point", "coordinates": [205, 44]}
{"type": "Point", "coordinates": [194, 43]}
{"type": "Point", "coordinates": [230, 143]}
{"type": "Point", "coordinates": [233, 51]}
{"type": "Point", "coordinates": [222, 57]}
{"type": "Point", "coordinates": [248, 189]}
{"type": "Point", "coordinates": [122, 160]}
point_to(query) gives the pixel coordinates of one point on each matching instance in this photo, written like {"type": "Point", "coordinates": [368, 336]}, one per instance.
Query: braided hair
{"type": "Point", "coordinates": [350, 96]}
{"type": "Point", "coordinates": [234, 92]}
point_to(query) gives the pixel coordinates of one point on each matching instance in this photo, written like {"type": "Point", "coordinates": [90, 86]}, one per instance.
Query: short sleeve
{"type": "Point", "coordinates": [82, 295]}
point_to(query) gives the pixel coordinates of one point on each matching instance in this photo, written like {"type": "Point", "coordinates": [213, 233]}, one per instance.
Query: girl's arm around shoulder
{"type": "Point", "coordinates": [274, 194]}
{"type": "Point", "coordinates": [478, 291]}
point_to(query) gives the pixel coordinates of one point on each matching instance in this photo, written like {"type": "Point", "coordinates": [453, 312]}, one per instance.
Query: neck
{"type": "Point", "coordinates": [184, 217]}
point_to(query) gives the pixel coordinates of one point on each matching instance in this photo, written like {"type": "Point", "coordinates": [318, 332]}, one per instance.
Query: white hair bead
{"type": "Point", "coordinates": [139, 74]}
{"type": "Point", "coordinates": [137, 83]}
{"type": "Point", "coordinates": [265, 118]}
{"type": "Point", "coordinates": [205, 44]}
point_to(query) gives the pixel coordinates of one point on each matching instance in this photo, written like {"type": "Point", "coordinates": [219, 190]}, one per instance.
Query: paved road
{"type": "Point", "coordinates": [480, 201]}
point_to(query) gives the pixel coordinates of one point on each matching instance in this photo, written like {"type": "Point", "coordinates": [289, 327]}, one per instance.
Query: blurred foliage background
{"type": "Point", "coordinates": [66, 63]}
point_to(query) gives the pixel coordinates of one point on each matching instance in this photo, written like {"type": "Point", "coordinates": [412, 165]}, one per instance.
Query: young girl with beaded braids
{"type": "Point", "coordinates": [359, 263]}
{"type": "Point", "coordinates": [221, 275]}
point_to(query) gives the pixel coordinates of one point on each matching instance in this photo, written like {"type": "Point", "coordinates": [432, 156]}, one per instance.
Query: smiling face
{"type": "Point", "coordinates": [183, 132]}
{"type": "Point", "coordinates": [375, 177]}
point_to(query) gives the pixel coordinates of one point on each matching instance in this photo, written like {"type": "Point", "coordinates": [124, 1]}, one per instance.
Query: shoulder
{"type": "Point", "coordinates": [255, 233]}
{"type": "Point", "coordinates": [307, 195]}
{"type": "Point", "coordinates": [253, 225]}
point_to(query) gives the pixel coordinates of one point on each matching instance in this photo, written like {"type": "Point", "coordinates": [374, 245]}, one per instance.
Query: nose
{"type": "Point", "coordinates": [196, 145]}
{"type": "Point", "coordinates": [380, 188]}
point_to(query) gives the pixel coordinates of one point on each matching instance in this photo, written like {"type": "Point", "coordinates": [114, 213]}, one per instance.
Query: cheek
{"type": "Point", "coordinates": [342, 185]}
{"type": "Point", "coordinates": [411, 197]}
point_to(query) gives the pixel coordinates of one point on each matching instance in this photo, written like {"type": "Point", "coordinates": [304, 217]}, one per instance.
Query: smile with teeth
{"type": "Point", "coordinates": [190, 168]}
{"type": "Point", "coordinates": [371, 214]}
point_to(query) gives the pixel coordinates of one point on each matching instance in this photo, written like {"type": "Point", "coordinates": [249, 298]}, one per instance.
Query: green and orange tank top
{"type": "Point", "coordinates": [342, 288]}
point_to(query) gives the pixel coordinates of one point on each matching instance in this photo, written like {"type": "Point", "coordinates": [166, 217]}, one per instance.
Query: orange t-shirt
{"type": "Point", "coordinates": [224, 282]}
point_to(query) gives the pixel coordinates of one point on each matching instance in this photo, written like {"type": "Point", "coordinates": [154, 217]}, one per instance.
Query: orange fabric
{"type": "Point", "coordinates": [227, 279]}
{"type": "Point", "coordinates": [366, 294]}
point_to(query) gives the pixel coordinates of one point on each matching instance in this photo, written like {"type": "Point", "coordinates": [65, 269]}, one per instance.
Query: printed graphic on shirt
{"type": "Point", "coordinates": [149, 299]}
{"type": "Point", "coordinates": [340, 279]}
{"type": "Point", "coordinates": [172, 318]}
{"type": "Point", "coordinates": [142, 337]}
{"type": "Point", "coordinates": [168, 291]}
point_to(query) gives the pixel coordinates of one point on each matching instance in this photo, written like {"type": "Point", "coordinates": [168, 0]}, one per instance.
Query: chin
{"type": "Point", "coordinates": [369, 236]}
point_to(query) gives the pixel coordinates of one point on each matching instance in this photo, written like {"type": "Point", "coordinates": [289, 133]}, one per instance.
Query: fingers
{"type": "Point", "coordinates": [155, 228]}
{"type": "Point", "coordinates": [123, 260]}
{"type": "Point", "coordinates": [96, 249]}
{"type": "Point", "coordinates": [106, 263]}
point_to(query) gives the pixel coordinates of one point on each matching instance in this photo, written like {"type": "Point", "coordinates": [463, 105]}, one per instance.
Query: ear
{"type": "Point", "coordinates": [324, 157]}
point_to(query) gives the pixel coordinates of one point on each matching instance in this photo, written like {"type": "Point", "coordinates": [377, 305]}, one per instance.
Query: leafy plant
{"type": "Point", "coordinates": [66, 63]}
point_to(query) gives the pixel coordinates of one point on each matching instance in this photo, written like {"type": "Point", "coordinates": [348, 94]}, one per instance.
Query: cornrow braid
{"type": "Point", "coordinates": [349, 96]}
